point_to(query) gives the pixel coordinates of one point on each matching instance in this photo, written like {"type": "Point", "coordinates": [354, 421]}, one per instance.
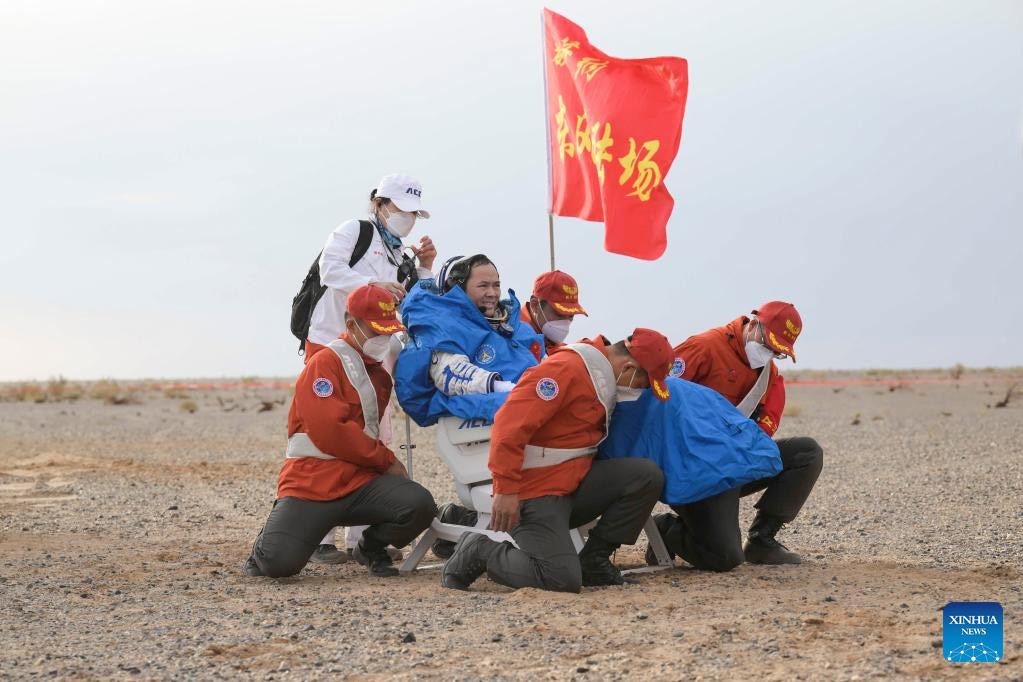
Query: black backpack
{"type": "Point", "coordinates": [311, 291]}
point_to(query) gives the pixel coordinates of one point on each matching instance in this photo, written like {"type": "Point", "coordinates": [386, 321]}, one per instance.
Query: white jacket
{"type": "Point", "coordinates": [328, 320]}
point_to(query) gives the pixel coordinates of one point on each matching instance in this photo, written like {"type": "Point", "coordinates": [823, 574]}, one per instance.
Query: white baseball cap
{"type": "Point", "coordinates": [405, 191]}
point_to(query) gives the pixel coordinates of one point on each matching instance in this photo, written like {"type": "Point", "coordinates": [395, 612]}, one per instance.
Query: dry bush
{"type": "Point", "coordinates": [112, 393]}
{"type": "Point", "coordinates": [957, 371]}
{"type": "Point", "coordinates": [176, 394]}
{"type": "Point", "coordinates": [792, 410]}
{"type": "Point", "coordinates": [1004, 402]}
{"type": "Point", "coordinates": [188, 406]}
{"type": "Point", "coordinates": [60, 389]}
{"type": "Point", "coordinates": [23, 392]}
{"type": "Point", "coordinates": [55, 390]}
{"type": "Point", "coordinates": [19, 393]}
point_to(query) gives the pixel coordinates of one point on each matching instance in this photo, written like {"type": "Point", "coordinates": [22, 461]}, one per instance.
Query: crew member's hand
{"type": "Point", "coordinates": [393, 288]}
{"type": "Point", "coordinates": [426, 252]}
{"type": "Point", "coordinates": [504, 513]}
{"type": "Point", "coordinates": [397, 469]}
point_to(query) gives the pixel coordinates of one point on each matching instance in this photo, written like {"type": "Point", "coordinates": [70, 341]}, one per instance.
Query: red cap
{"type": "Point", "coordinates": [375, 305]}
{"type": "Point", "coordinates": [654, 354]}
{"type": "Point", "coordinates": [560, 290]}
{"type": "Point", "coordinates": [782, 325]}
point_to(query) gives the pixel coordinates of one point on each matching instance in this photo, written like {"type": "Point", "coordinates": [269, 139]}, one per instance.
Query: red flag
{"type": "Point", "coordinates": [615, 126]}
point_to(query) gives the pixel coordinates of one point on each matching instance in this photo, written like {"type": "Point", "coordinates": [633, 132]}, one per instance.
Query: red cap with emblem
{"type": "Point", "coordinates": [654, 354]}
{"type": "Point", "coordinates": [782, 325]}
{"type": "Point", "coordinates": [376, 306]}
{"type": "Point", "coordinates": [560, 290]}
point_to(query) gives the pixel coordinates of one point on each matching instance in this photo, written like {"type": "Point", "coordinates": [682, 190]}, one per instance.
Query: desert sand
{"type": "Point", "coordinates": [124, 527]}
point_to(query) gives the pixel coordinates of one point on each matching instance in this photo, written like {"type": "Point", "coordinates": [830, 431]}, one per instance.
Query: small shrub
{"type": "Point", "coordinates": [1004, 402]}
{"type": "Point", "coordinates": [54, 391]}
{"type": "Point", "coordinates": [112, 393]}
{"type": "Point", "coordinates": [188, 406]}
{"type": "Point", "coordinates": [957, 371]}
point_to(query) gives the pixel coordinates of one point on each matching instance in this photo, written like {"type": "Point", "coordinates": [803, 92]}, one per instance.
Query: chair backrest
{"type": "Point", "coordinates": [464, 445]}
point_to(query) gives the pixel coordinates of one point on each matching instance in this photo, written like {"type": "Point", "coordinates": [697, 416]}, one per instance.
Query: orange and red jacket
{"type": "Point", "coordinates": [717, 359]}
{"type": "Point", "coordinates": [571, 418]}
{"type": "Point", "coordinates": [528, 319]}
{"type": "Point", "coordinates": [327, 407]}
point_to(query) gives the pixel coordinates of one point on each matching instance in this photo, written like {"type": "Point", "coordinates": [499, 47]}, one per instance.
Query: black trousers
{"type": "Point", "coordinates": [396, 510]}
{"type": "Point", "coordinates": [706, 533]}
{"type": "Point", "coordinates": [622, 492]}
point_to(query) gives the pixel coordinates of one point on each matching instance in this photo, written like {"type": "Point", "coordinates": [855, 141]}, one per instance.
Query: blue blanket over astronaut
{"type": "Point", "coordinates": [450, 322]}
{"type": "Point", "coordinates": [700, 441]}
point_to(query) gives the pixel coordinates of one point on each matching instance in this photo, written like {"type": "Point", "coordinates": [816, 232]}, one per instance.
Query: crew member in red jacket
{"type": "Point", "coordinates": [552, 307]}
{"type": "Point", "coordinates": [737, 361]}
{"type": "Point", "coordinates": [545, 480]}
{"type": "Point", "coordinates": [337, 472]}
{"type": "Point", "coordinates": [549, 311]}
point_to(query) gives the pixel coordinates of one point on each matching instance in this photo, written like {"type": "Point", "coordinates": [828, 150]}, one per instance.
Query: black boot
{"type": "Point", "coordinates": [664, 522]}
{"type": "Point", "coordinates": [468, 561]}
{"type": "Point", "coordinates": [762, 548]}
{"type": "Point", "coordinates": [375, 558]}
{"type": "Point", "coordinates": [455, 514]}
{"type": "Point", "coordinates": [595, 560]}
{"type": "Point", "coordinates": [251, 568]}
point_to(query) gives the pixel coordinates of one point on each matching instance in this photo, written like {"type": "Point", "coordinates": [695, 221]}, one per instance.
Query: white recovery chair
{"type": "Point", "coordinates": [464, 445]}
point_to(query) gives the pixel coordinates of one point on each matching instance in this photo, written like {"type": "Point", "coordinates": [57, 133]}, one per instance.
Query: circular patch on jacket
{"type": "Point", "coordinates": [547, 389]}
{"type": "Point", "coordinates": [486, 354]}
{"type": "Point", "coordinates": [323, 388]}
{"type": "Point", "coordinates": [678, 368]}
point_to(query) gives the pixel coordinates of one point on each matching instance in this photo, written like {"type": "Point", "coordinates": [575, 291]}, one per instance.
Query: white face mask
{"type": "Point", "coordinates": [399, 223]}
{"type": "Point", "coordinates": [758, 354]}
{"type": "Point", "coordinates": [375, 347]}
{"type": "Point", "coordinates": [556, 331]}
{"type": "Point", "coordinates": [627, 393]}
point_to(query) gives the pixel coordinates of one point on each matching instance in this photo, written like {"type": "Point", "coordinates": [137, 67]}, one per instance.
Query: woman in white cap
{"type": "Point", "coordinates": [360, 252]}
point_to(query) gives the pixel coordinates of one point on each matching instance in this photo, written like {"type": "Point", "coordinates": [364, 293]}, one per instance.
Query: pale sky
{"type": "Point", "coordinates": [168, 170]}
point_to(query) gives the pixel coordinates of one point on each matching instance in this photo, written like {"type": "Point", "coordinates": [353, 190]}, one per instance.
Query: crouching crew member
{"type": "Point", "coordinates": [552, 307]}
{"type": "Point", "coordinates": [337, 471]}
{"type": "Point", "coordinates": [545, 480]}
{"type": "Point", "coordinates": [737, 361]}
{"type": "Point", "coordinates": [549, 311]}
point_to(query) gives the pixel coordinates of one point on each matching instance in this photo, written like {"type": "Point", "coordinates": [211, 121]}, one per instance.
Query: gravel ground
{"type": "Point", "coordinates": [123, 529]}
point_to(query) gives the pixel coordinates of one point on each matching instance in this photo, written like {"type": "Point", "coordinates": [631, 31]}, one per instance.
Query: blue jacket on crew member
{"type": "Point", "coordinates": [702, 443]}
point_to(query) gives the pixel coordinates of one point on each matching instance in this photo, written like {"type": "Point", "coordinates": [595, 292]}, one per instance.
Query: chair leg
{"type": "Point", "coordinates": [653, 536]}
{"type": "Point", "coordinates": [577, 539]}
{"type": "Point", "coordinates": [424, 543]}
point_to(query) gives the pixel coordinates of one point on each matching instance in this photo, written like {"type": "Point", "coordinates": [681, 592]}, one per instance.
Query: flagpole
{"type": "Point", "coordinates": [547, 142]}
{"type": "Point", "coordinates": [550, 230]}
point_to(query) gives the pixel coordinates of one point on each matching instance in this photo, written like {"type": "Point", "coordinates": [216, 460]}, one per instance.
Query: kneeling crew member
{"type": "Point", "coordinates": [550, 311]}
{"type": "Point", "coordinates": [337, 471]}
{"type": "Point", "coordinates": [545, 480]}
{"type": "Point", "coordinates": [737, 361]}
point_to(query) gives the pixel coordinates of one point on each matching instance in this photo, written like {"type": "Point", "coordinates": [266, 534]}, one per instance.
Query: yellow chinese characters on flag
{"type": "Point", "coordinates": [615, 127]}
